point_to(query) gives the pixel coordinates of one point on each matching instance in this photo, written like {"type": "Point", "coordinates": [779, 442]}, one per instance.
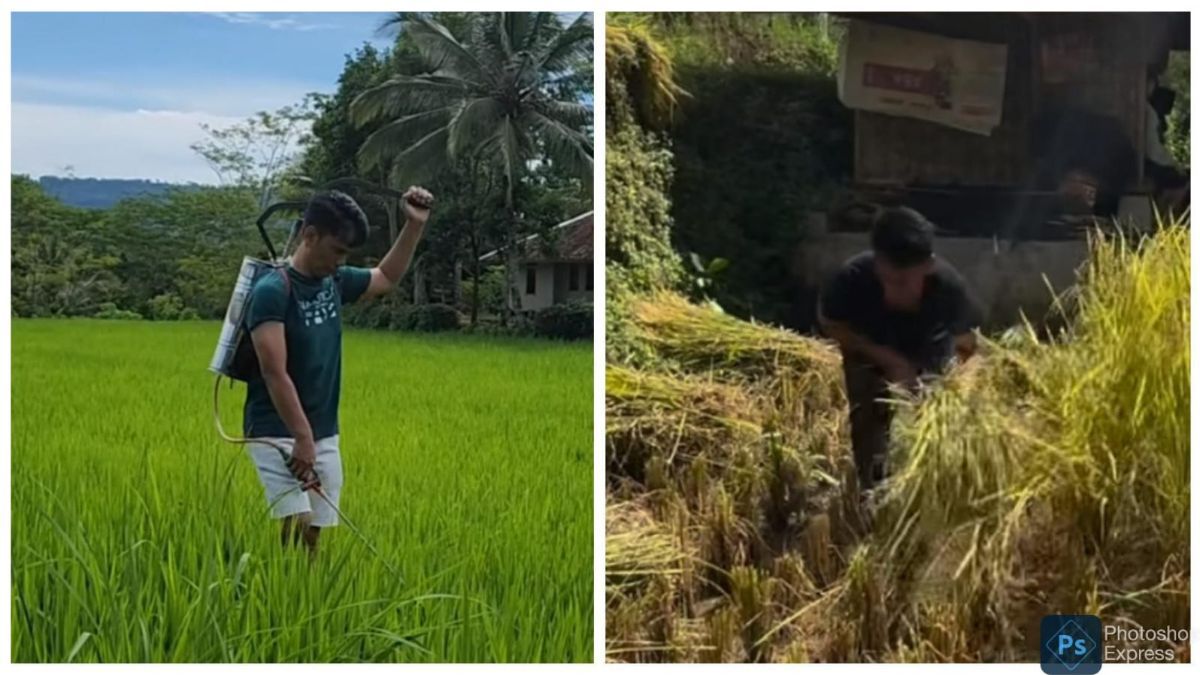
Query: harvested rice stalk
{"type": "Point", "coordinates": [659, 423]}
{"type": "Point", "coordinates": [637, 547]}
{"type": "Point", "coordinates": [702, 339]}
{"type": "Point", "coordinates": [802, 375]}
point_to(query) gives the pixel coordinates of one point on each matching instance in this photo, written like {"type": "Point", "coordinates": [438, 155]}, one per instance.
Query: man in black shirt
{"type": "Point", "coordinates": [897, 312]}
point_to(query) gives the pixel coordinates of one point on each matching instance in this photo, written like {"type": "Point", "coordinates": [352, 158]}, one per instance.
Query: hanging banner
{"type": "Point", "coordinates": [958, 83]}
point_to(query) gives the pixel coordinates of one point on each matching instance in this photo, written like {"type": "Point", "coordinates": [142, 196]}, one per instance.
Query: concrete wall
{"type": "Point", "coordinates": [562, 282]}
{"type": "Point", "coordinates": [1006, 281]}
{"type": "Point", "coordinates": [543, 295]}
{"type": "Point", "coordinates": [552, 286]}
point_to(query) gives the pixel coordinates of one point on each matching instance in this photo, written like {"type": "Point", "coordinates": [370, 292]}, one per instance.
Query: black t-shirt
{"type": "Point", "coordinates": [854, 295]}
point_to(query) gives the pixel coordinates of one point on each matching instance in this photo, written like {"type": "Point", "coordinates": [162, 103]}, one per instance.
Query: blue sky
{"type": "Point", "coordinates": [122, 95]}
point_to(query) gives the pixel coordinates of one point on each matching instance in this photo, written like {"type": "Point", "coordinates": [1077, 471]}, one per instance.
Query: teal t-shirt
{"type": "Point", "coordinates": [312, 319]}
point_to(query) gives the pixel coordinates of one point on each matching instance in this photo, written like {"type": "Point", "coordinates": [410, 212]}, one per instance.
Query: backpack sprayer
{"type": "Point", "coordinates": [235, 357]}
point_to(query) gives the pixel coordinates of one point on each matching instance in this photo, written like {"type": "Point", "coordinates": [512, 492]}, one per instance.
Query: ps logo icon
{"type": "Point", "coordinates": [1071, 644]}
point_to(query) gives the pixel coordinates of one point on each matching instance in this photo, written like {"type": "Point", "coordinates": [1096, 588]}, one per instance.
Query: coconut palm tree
{"type": "Point", "coordinates": [493, 96]}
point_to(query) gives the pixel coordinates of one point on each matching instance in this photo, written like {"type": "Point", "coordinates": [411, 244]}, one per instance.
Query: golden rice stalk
{"type": "Point", "coordinates": [637, 547]}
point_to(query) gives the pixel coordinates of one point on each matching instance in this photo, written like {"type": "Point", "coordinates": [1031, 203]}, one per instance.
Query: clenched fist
{"type": "Point", "coordinates": [417, 203]}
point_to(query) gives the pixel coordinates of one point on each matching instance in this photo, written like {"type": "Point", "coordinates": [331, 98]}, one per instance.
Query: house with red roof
{"type": "Point", "coordinates": [553, 271]}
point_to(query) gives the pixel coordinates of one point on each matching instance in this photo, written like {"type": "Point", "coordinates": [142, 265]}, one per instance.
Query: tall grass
{"type": "Point", "coordinates": [138, 536]}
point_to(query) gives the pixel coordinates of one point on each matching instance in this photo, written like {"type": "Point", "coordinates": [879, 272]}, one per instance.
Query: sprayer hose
{"type": "Point", "coordinates": [241, 441]}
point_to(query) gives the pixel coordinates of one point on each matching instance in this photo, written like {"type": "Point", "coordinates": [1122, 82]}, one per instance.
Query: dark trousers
{"type": "Point", "coordinates": [870, 419]}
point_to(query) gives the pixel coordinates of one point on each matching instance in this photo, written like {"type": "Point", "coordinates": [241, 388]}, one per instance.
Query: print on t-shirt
{"type": "Point", "coordinates": [320, 308]}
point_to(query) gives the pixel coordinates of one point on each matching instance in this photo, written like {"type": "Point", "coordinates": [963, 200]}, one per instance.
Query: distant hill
{"type": "Point", "coordinates": [102, 193]}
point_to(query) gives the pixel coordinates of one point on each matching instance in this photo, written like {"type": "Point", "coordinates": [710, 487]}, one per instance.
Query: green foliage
{"type": "Point", "coordinates": [165, 307]}
{"type": "Point", "coordinates": [388, 311]}
{"type": "Point", "coordinates": [641, 87]}
{"type": "Point", "coordinates": [335, 140]}
{"type": "Point", "coordinates": [472, 220]}
{"type": "Point", "coordinates": [1179, 122]}
{"type": "Point", "coordinates": [490, 99]}
{"type": "Point", "coordinates": [642, 95]}
{"type": "Point", "coordinates": [186, 244]}
{"type": "Point", "coordinates": [638, 212]}
{"type": "Point", "coordinates": [743, 193]}
{"type": "Point", "coordinates": [472, 216]}
{"type": "Point", "coordinates": [108, 310]}
{"type": "Point", "coordinates": [56, 279]}
{"type": "Point", "coordinates": [567, 321]}
{"type": "Point", "coordinates": [491, 290]}
{"type": "Point", "coordinates": [407, 58]}
{"type": "Point", "coordinates": [802, 42]}
{"type": "Point", "coordinates": [256, 152]}
{"type": "Point", "coordinates": [392, 312]}
{"type": "Point", "coordinates": [57, 268]}
{"type": "Point", "coordinates": [759, 142]}
{"type": "Point", "coordinates": [204, 282]}
{"type": "Point", "coordinates": [766, 82]}
{"type": "Point", "coordinates": [705, 276]}
{"type": "Point", "coordinates": [433, 318]}
{"type": "Point", "coordinates": [102, 193]}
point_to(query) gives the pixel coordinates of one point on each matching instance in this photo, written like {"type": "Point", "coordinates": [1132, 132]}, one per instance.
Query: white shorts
{"type": "Point", "coordinates": [283, 490]}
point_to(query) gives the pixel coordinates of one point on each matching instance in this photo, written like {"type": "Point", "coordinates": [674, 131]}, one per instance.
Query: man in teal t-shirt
{"type": "Point", "coordinates": [294, 319]}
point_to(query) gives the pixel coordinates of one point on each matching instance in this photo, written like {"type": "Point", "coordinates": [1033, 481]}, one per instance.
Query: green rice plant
{"type": "Point", "coordinates": [139, 536]}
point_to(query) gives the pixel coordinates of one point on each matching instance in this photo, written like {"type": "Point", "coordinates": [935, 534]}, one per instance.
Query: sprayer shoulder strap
{"type": "Point", "coordinates": [287, 280]}
{"type": "Point", "coordinates": [287, 287]}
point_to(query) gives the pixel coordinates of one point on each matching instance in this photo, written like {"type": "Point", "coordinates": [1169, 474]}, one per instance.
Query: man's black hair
{"type": "Point", "coordinates": [902, 236]}
{"type": "Point", "coordinates": [336, 213]}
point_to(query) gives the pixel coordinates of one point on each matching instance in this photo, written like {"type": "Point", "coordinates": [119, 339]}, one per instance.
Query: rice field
{"type": "Point", "coordinates": [139, 536]}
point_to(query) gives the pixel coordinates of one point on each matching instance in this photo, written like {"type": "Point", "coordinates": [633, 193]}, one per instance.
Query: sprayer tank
{"type": "Point", "coordinates": [252, 269]}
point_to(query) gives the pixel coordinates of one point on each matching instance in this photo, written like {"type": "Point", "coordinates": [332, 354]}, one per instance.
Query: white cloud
{"type": "Point", "coordinates": [103, 143]}
{"type": "Point", "coordinates": [282, 23]}
{"type": "Point", "coordinates": [237, 98]}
